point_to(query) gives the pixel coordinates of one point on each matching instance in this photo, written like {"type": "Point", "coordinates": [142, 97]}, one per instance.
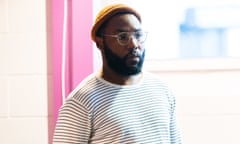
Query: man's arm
{"type": "Point", "coordinates": [73, 125]}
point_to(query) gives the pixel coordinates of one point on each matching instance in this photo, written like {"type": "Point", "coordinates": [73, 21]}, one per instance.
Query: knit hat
{"type": "Point", "coordinates": [107, 12]}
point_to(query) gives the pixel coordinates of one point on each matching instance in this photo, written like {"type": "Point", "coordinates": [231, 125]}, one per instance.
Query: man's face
{"type": "Point", "coordinates": [125, 59]}
{"type": "Point", "coordinates": [124, 66]}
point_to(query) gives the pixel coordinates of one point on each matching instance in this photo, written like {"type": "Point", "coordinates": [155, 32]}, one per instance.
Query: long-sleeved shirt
{"type": "Point", "coordinates": [99, 112]}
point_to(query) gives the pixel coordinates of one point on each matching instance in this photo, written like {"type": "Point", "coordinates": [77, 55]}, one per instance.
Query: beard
{"type": "Point", "coordinates": [121, 65]}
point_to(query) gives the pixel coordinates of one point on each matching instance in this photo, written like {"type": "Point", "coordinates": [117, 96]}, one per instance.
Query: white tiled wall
{"type": "Point", "coordinates": [3, 16]}
{"type": "Point", "coordinates": [23, 72]}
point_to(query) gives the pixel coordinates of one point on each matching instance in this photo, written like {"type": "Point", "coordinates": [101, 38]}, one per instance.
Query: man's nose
{"type": "Point", "coordinates": [133, 42]}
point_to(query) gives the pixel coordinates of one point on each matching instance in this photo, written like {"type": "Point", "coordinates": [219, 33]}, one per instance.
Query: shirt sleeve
{"type": "Point", "coordinates": [73, 125]}
{"type": "Point", "coordinates": [175, 134]}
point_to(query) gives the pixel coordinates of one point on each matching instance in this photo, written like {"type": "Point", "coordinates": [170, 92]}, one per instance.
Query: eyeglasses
{"type": "Point", "coordinates": [123, 38]}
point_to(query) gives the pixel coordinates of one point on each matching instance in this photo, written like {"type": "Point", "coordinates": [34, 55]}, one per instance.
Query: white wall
{"type": "Point", "coordinates": [23, 72]}
{"type": "Point", "coordinates": [208, 96]}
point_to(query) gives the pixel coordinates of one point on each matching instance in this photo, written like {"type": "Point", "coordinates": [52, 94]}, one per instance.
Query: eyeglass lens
{"type": "Point", "coordinates": [124, 37]}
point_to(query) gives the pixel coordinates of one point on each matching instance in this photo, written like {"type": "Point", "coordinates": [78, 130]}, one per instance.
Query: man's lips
{"type": "Point", "coordinates": [133, 59]}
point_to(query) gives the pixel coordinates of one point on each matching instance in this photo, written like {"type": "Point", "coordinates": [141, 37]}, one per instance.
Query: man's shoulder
{"type": "Point", "coordinates": [84, 86]}
{"type": "Point", "coordinates": [152, 76]}
{"type": "Point", "coordinates": [154, 79]}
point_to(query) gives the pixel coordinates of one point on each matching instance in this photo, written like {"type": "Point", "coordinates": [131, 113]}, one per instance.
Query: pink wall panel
{"type": "Point", "coordinates": [56, 41]}
{"type": "Point", "coordinates": [82, 54]}
{"type": "Point", "coordinates": [79, 49]}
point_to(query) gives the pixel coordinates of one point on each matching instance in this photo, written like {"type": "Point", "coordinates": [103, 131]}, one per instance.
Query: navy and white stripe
{"type": "Point", "coordinates": [98, 112]}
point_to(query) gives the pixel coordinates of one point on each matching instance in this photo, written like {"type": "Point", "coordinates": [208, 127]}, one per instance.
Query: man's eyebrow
{"type": "Point", "coordinates": [121, 30]}
{"type": "Point", "coordinates": [124, 30]}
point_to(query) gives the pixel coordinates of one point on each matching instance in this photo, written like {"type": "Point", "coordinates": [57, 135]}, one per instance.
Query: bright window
{"type": "Point", "coordinates": [187, 28]}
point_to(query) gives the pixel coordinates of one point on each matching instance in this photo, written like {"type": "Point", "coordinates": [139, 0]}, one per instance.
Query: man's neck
{"type": "Point", "coordinates": [116, 78]}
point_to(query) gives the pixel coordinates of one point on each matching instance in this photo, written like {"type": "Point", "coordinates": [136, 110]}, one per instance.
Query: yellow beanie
{"type": "Point", "coordinates": [107, 12]}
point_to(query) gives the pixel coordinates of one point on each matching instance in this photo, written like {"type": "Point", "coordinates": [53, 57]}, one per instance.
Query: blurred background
{"type": "Point", "coordinates": [46, 50]}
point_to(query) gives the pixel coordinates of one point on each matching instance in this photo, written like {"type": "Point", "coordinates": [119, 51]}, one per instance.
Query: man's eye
{"type": "Point", "coordinates": [138, 35]}
{"type": "Point", "coordinates": [123, 36]}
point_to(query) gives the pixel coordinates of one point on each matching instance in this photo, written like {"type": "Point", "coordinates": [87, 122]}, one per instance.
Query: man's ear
{"type": "Point", "coordinates": [99, 42]}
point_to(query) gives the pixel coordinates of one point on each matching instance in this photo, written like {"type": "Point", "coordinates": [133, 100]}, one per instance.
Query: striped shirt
{"type": "Point", "coordinates": [99, 112]}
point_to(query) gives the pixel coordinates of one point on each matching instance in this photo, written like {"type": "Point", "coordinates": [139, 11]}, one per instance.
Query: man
{"type": "Point", "coordinates": [120, 104]}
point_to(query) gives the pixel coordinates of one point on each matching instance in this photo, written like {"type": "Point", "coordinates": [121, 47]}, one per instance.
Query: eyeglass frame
{"type": "Point", "coordinates": [130, 35]}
